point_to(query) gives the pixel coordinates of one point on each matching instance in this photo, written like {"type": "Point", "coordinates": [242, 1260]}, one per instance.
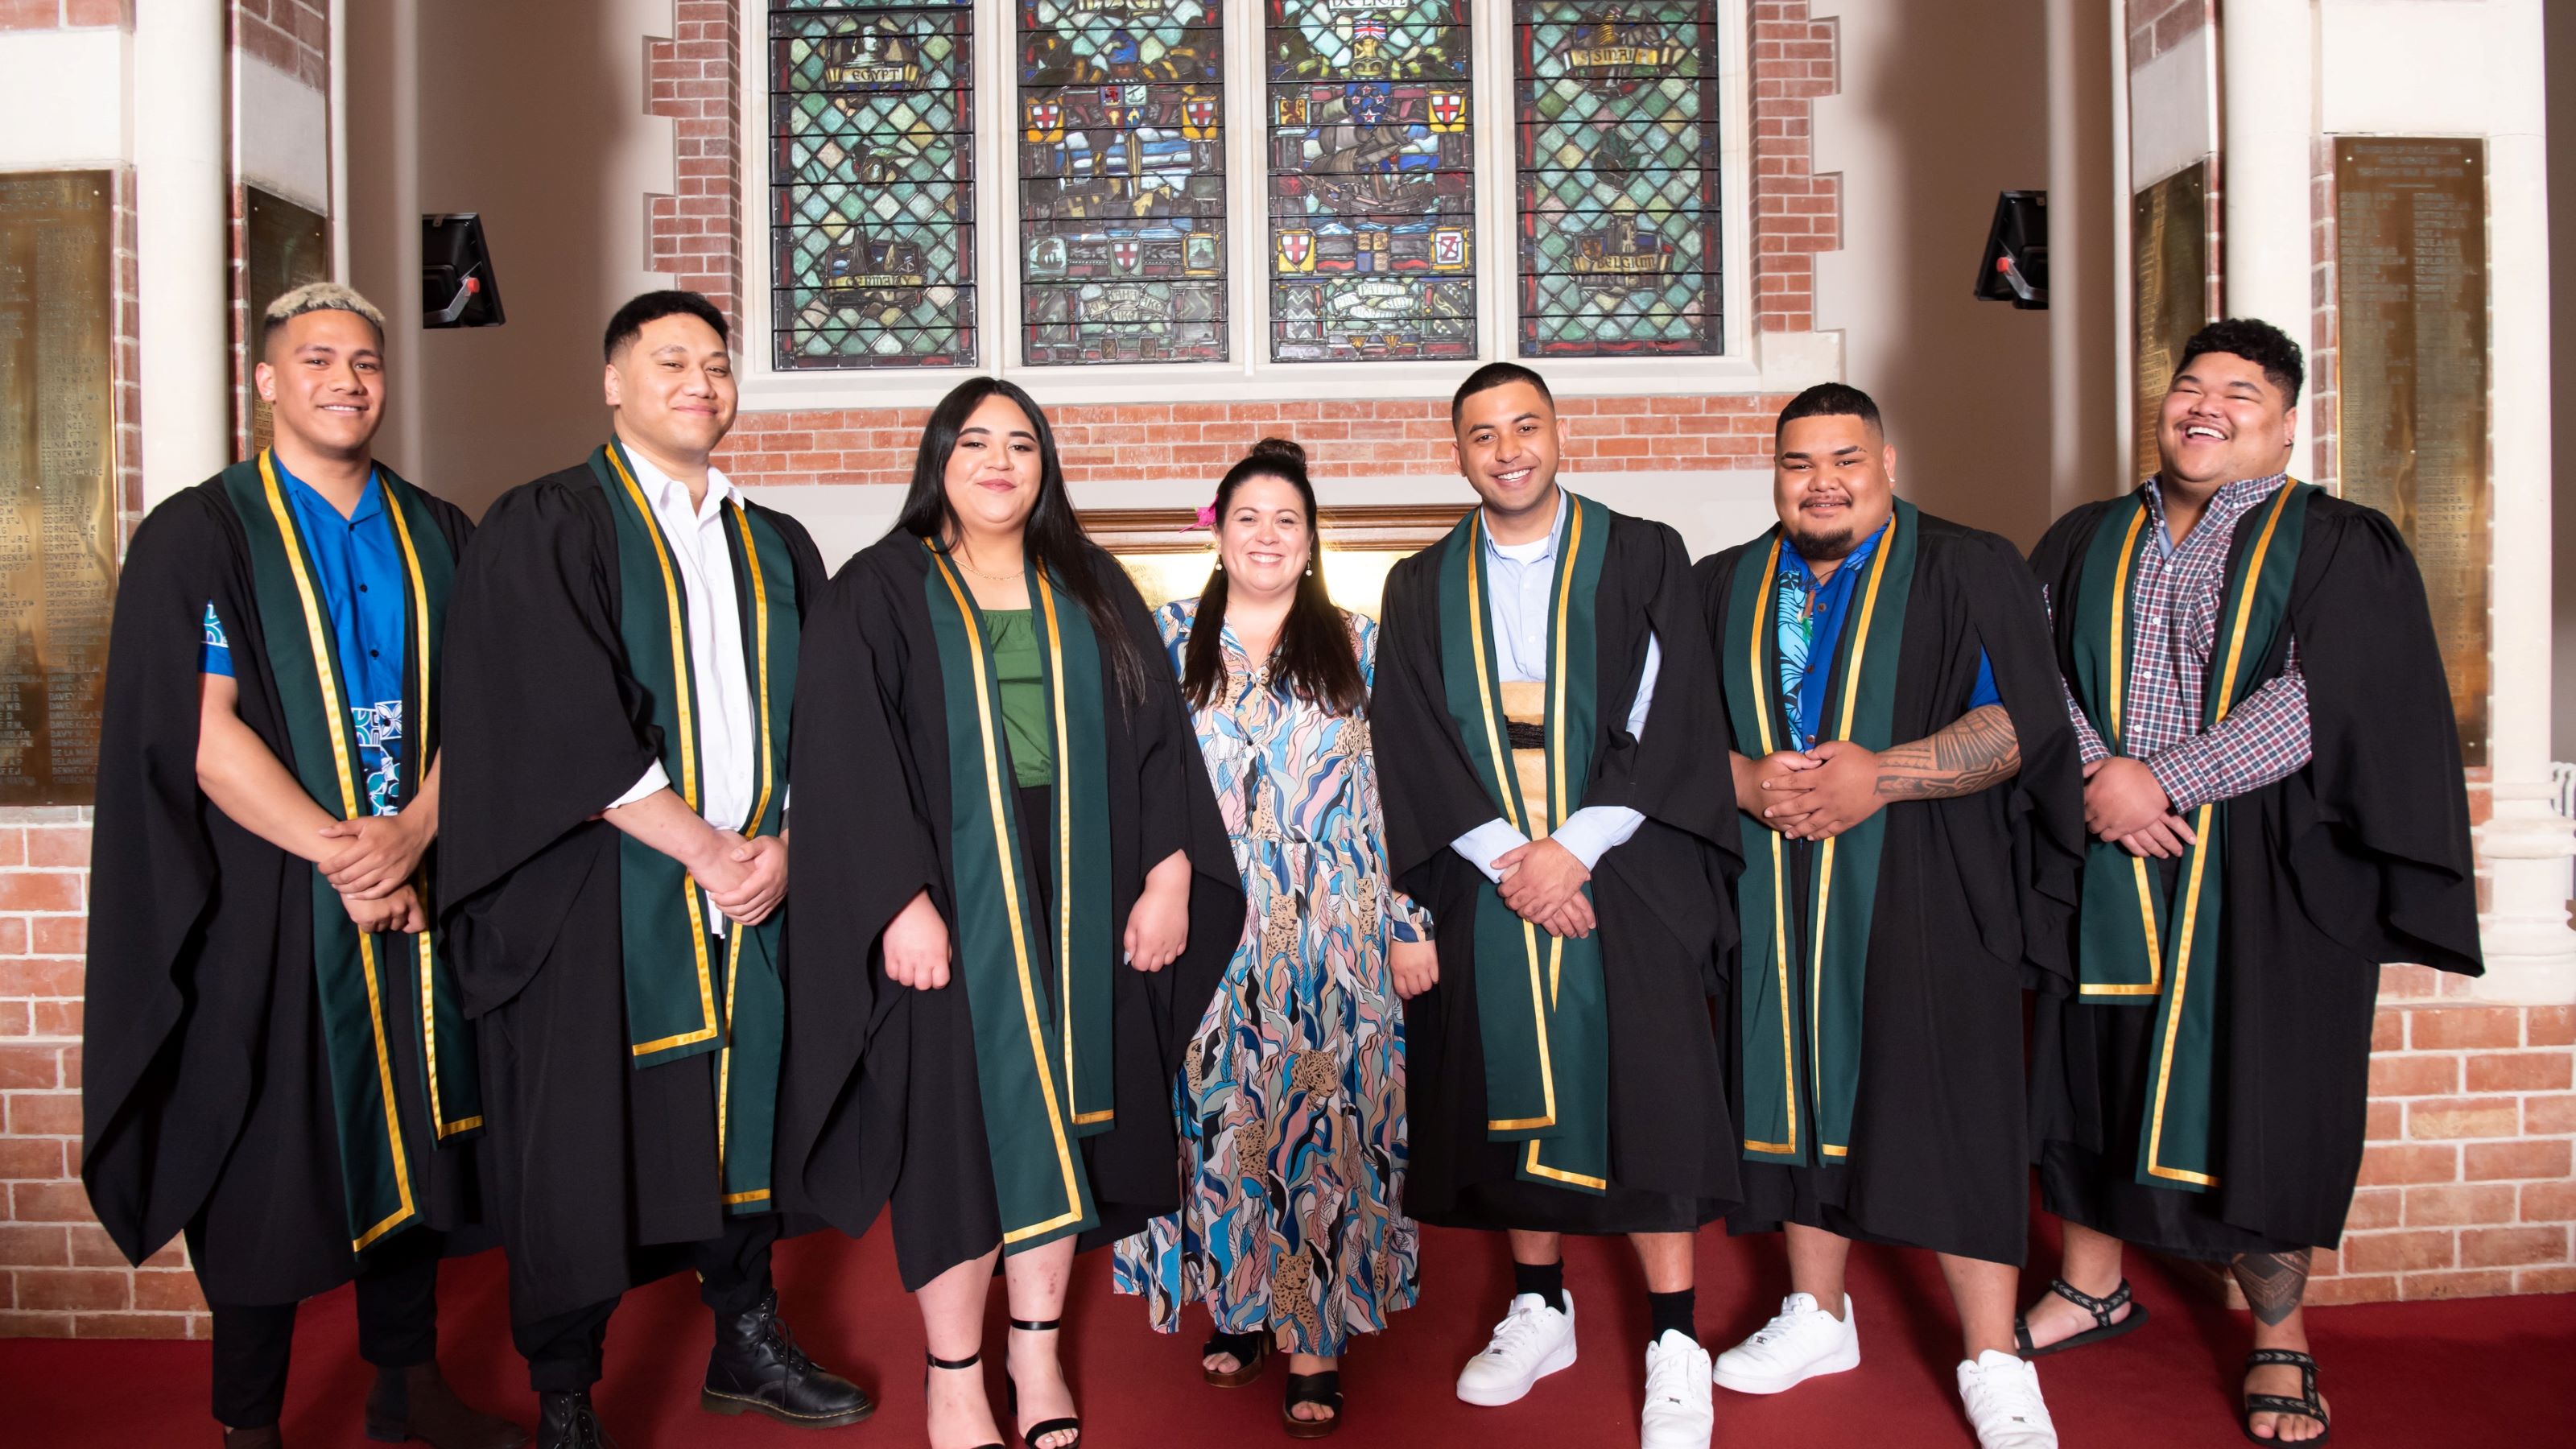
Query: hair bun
{"type": "Point", "coordinates": [1277, 450]}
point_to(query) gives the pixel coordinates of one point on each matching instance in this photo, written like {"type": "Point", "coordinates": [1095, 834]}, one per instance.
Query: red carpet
{"type": "Point", "coordinates": [2487, 1372]}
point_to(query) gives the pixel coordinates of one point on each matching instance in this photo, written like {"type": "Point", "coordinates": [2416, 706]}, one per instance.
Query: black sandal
{"type": "Point", "coordinates": [2103, 1328]}
{"type": "Point", "coordinates": [2308, 1406]}
{"type": "Point", "coordinates": [1030, 1436]}
{"type": "Point", "coordinates": [1249, 1351]}
{"type": "Point", "coordinates": [969, 1361]}
{"type": "Point", "coordinates": [1324, 1388]}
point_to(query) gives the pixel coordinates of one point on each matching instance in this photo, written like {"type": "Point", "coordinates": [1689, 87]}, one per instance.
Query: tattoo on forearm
{"type": "Point", "coordinates": [2273, 1283]}
{"type": "Point", "coordinates": [1978, 749]}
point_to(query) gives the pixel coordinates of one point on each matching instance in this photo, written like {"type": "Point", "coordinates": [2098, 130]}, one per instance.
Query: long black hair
{"type": "Point", "coordinates": [1312, 658]}
{"type": "Point", "coordinates": [1053, 539]}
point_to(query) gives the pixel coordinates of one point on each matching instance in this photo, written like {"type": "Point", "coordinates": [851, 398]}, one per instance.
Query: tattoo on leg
{"type": "Point", "coordinates": [2273, 1283]}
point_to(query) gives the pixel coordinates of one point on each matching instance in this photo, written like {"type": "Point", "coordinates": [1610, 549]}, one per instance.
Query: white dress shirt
{"type": "Point", "coordinates": [1518, 577]}
{"type": "Point", "coordinates": [720, 682]}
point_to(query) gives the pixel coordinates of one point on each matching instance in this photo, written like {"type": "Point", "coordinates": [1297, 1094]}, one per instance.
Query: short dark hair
{"type": "Point", "coordinates": [1829, 400]}
{"type": "Point", "coordinates": [629, 322]}
{"type": "Point", "coordinates": [1490, 376]}
{"type": "Point", "coordinates": [2258, 342]}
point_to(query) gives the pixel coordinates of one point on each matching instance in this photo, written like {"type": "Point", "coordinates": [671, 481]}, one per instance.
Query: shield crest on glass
{"type": "Point", "coordinates": [1199, 117]}
{"type": "Point", "coordinates": [1127, 254]}
{"type": "Point", "coordinates": [1448, 111]}
{"type": "Point", "coordinates": [1296, 251]}
{"type": "Point", "coordinates": [1046, 122]}
{"type": "Point", "coordinates": [1449, 249]}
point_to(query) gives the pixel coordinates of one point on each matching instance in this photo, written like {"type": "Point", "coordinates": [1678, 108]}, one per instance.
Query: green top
{"type": "Point", "coordinates": [1013, 635]}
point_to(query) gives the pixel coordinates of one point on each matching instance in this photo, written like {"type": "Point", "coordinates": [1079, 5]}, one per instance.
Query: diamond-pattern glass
{"type": "Point", "coordinates": [872, 204]}
{"type": "Point", "coordinates": [1372, 180]}
{"type": "Point", "coordinates": [1122, 180]}
{"type": "Point", "coordinates": [1618, 185]}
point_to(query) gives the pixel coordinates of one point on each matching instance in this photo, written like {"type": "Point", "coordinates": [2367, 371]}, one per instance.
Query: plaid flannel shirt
{"type": "Point", "coordinates": [2176, 598]}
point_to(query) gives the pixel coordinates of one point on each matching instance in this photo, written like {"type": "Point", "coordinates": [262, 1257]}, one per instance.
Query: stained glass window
{"type": "Point", "coordinates": [872, 205]}
{"type": "Point", "coordinates": [1122, 180]}
{"type": "Point", "coordinates": [1618, 108]}
{"type": "Point", "coordinates": [1372, 180]}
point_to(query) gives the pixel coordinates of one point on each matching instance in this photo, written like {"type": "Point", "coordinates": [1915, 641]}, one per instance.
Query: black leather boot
{"type": "Point", "coordinates": [565, 1421]}
{"type": "Point", "coordinates": [416, 1403]}
{"type": "Point", "coordinates": [757, 1368]}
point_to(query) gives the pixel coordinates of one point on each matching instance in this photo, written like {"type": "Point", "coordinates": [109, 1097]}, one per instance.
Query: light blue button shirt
{"type": "Point", "coordinates": [1518, 577]}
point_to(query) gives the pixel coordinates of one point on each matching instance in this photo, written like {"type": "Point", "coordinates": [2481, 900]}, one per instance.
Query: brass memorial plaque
{"type": "Point", "coordinates": [2169, 249]}
{"type": "Point", "coordinates": [2411, 377]}
{"type": "Point", "coordinates": [58, 486]}
{"type": "Point", "coordinates": [285, 247]}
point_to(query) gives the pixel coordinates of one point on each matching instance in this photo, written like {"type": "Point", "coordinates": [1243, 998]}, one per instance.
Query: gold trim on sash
{"type": "Point", "coordinates": [2226, 685]}
{"type": "Point", "coordinates": [1064, 851]}
{"type": "Point", "coordinates": [339, 731]}
{"type": "Point", "coordinates": [1825, 856]}
{"type": "Point", "coordinates": [1763, 604]}
{"type": "Point", "coordinates": [2118, 681]}
{"type": "Point", "coordinates": [1515, 814]}
{"type": "Point", "coordinates": [1011, 904]}
{"type": "Point", "coordinates": [750, 829]}
{"type": "Point", "coordinates": [680, 686]}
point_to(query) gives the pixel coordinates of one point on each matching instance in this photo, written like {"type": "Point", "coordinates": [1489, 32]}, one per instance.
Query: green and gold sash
{"type": "Point", "coordinates": [682, 999]}
{"type": "Point", "coordinates": [1044, 1074]}
{"type": "Point", "coordinates": [1542, 1006]}
{"type": "Point", "coordinates": [360, 987]}
{"type": "Point", "coordinates": [1803, 1047]}
{"type": "Point", "coordinates": [2133, 949]}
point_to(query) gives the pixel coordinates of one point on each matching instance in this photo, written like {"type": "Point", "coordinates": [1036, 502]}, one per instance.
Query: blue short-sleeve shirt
{"type": "Point", "coordinates": [1811, 630]}
{"type": "Point", "coordinates": [358, 567]}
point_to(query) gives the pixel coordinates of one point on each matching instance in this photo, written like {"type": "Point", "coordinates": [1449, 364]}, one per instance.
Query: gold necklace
{"type": "Point", "coordinates": [962, 562]}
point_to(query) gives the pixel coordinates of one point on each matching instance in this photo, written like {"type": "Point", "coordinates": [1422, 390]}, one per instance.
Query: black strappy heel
{"type": "Point", "coordinates": [1250, 1351]}
{"type": "Point", "coordinates": [1030, 1436]}
{"type": "Point", "coordinates": [2307, 1406]}
{"type": "Point", "coordinates": [2101, 1308]}
{"type": "Point", "coordinates": [969, 1361]}
{"type": "Point", "coordinates": [1324, 1388]}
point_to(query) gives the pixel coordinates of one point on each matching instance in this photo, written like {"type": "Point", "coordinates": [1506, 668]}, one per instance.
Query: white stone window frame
{"type": "Point", "coordinates": [1753, 361]}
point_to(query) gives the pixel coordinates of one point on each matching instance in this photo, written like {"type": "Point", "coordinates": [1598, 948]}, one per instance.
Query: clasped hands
{"type": "Point", "coordinates": [372, 870]}
{"type": "Point", "coordinates": [2125, 805]}
{"type": "Point", "coordinates": [1543, 882]}
{"type": "Point", "coordinates": [1812, 794]}
{"type": "Point", "coordinates": [918, 950]}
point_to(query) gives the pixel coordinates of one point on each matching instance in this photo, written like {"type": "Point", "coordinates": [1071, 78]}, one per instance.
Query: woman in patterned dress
{"type": "Point", "coordinates": [1292, 1101]}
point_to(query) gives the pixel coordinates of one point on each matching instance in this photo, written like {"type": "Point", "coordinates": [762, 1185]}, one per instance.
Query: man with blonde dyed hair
{"type": "Point", "coordinates": [287, 1078]}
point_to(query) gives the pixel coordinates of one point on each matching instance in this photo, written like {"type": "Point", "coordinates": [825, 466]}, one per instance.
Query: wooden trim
{"type": "Point", "coordinates": [1394, 527]}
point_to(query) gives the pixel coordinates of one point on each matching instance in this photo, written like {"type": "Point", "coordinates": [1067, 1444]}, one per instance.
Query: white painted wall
{"type": "Point", "coordinates": [282, 144]}
{"type": "Point", "coordinates": [62, 99]}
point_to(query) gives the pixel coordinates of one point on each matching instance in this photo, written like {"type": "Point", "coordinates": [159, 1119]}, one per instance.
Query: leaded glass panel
{"type": "Point", "coordinates": [1372, 180]}
{"type": "Point", "coordinates": [1122, 180]}
{"type": "Point", "coordinates": [872, 203]}
{"type": "Point", "coordinates": [1618, 106]}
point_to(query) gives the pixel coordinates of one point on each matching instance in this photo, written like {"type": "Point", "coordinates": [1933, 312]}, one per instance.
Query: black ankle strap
{"type": "Point", "coordinates": [1032, 1325]}
{"type": "Point", "coordinates": [2100, 1308]}
{"type": "Point", "coordinates": [969, 1361]}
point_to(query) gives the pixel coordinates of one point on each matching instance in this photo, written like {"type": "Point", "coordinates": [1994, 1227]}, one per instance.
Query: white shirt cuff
{"type": "Point", "coordinates": [654, 778]}
{"type": "Point", "coordinates": [1487, 841]}
{"type": "Point", "coordinates": [1589, 833]}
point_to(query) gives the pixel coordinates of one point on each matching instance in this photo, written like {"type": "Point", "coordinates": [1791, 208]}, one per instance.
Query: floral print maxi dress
{"type": "Point", "coordinates": [1292, 1100]}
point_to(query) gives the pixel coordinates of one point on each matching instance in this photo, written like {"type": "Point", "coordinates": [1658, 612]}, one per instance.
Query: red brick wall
{"type": "Point", "coordinates": [63, 14]}
{"type": "Point", "coordinates": [2156, 26]}
{"type": "Point", "coordinates": [292, 35]}
{"type": "Point", "coordinates": [692, 77]}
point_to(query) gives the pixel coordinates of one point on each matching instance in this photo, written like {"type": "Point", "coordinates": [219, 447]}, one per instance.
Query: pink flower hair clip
{"type": "Point", "coordinates": [1207, 515]}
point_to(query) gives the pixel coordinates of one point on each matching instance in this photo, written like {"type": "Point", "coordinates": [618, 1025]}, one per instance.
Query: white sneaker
{"type": "Point", "coordinates": [2002, 1395]}
{"type": "Point", "coordinates": [1531, 1342]}
{"type": "Point", "coordinates": [1679, 1414]}
{"type": "Point", "coordinates": [1802, 1342]}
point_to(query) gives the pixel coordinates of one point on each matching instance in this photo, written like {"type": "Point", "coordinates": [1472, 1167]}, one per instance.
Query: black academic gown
{"type": "Point", "coordinates": [1975, 902]}
{"type": "Point", "coordinates": [2360, 857]}
{"type": "Point", "coordinates": [1663, 903]}
{"type": "Point", "coordinates": [879, 1098]}
{"type": "Point", "coordinates": [595, 1170]}
{"type": "Point", "coordinates": [206, 1098]}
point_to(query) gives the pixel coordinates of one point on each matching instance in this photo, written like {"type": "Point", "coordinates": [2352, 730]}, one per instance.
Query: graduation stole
{"type": "Point", "coordinates": [1807, 1051]}
{"type": "Point", "coordinates": [1541, 1005]}
{"type": "Point", "coordinates": [675, 1005]}
{"type": "Point", "coordinates": [1044, 1076]}
{"type": "Point", "coordinates": [2132, 948]}
{"type": "Point", "coordinates": [365, 990]}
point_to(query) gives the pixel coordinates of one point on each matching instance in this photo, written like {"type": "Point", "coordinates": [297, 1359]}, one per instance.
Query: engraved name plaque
{"type": "Point", "coordinates": [2411, 377]}
{"type": "Point", "coordinates": [2169, 247]}
{"type": "Point", "coordinates": [58, 494]}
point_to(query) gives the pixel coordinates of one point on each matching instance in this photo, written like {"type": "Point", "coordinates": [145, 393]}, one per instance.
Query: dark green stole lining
{"type": "Point", "coordinates": [1044, 1075]}
{"type": "Point", "coordinates": [1542, 1006]}
{"type": "Point", "coordinates": [356, 991]}
{"type": "Point", "coordinates": [682, 998]}
{"type": "Point", "coordinates": [2133, 950]}
{"type": "Point", "coordinates": [1807, 1052]}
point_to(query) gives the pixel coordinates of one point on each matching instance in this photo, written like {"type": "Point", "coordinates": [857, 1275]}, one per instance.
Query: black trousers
{"type": "Point", "coordinates": [564, 1351]}
{"type": "Point", "coordinates": [397, 1328]}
